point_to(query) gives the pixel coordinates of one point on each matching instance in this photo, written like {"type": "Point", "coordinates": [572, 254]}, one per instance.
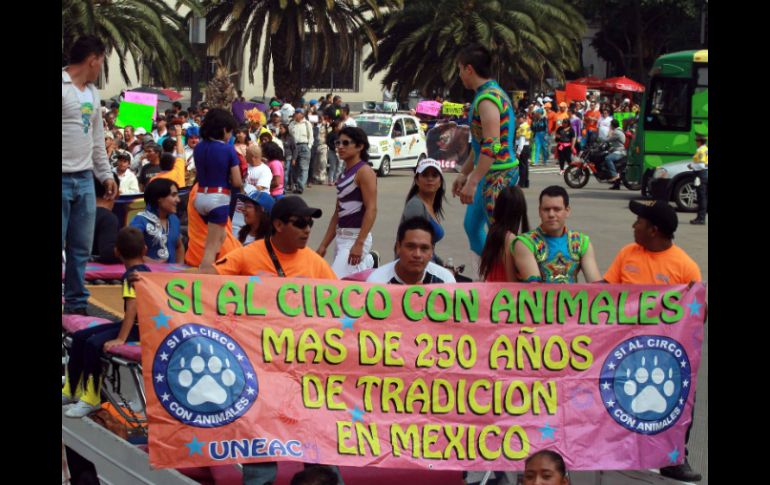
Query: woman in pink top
{"type": "Point", "coordinates": [510, 219]}
{"type": "Point", "coordinates": [273, 153]}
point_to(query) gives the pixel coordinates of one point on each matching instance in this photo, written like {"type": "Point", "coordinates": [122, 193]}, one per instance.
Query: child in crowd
{"type": "Point", "coordinates": [545, 467]}
{"type": "Point", "coordinates": [83, 381]}
{"type": "Point", "coordinates": [274, 155]}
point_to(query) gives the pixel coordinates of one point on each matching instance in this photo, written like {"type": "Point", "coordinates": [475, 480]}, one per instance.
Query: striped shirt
{"type": "Point", "coordinates": [504, 156]}
{"type": "Point", "coordinates": [350, 199]}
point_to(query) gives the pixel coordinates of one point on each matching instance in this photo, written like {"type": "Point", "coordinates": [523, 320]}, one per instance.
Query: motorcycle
{"type": "Point", "coordinates": [591, 161]}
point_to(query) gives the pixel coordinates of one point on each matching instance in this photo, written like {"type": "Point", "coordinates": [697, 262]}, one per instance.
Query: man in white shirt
{"type": "Point", "coordinates": [414, 247]}
{"type": "Point", "coordinates": [345, 117]}
{"type": "Point", "coordinates": [302, 131]}
{"type": "Point", "coordinates": [84, 157]}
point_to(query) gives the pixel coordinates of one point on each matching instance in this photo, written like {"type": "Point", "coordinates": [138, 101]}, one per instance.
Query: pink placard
{"type": "Point", "coordinates": [148, 99]}
{"type": "Point", "coordinates": [474, 376]}
{"type": "Point", "coordinates": [431, 108]}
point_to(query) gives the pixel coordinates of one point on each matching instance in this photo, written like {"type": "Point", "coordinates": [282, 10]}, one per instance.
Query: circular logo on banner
{"type": "Point", "coordinates": [645, 382]}
{"type": "Point", "coordinates": [203, 377]}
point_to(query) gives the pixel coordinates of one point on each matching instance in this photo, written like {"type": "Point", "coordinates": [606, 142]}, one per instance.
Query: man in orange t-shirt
{"type": "Point", "coordinates": [655, 259]}
{"type": "Point", "coordinates": [291, 219]}
{"type": "Point", "coordinates": [592, 124]}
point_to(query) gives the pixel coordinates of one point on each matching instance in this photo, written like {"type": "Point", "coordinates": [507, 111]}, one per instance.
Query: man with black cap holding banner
{"type": "Point", "coordinates": [654, 259]}
{"type": "Point", "coordinates": [285, 254]}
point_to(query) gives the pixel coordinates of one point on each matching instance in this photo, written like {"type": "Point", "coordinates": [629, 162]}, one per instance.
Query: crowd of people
{"type": "Point", "coordinates": [241, 219]}
{"type": "Point", "coordinates": [545, 133]}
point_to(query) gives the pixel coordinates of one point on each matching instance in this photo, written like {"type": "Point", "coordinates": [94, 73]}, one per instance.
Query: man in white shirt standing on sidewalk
{"type": "Point", "coordinates": [302, 131]}
{"type": "Point", "coordinates": [84, 157]}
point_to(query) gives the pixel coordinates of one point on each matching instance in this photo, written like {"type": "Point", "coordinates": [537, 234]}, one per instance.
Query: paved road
{"type": "Point", "coordinates": [602, 213]}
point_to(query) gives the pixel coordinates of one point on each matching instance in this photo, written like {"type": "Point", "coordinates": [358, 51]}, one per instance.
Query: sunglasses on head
{"type": "Point", "coordinates": [301, 222]}
{"type": "Point", "coordinates": [342, 142]}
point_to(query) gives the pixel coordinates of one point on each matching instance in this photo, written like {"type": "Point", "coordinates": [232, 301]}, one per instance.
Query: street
{"type": "Point", "coordinates": [601, 213]}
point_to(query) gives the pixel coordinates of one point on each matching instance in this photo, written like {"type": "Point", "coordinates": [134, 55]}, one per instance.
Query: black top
{"type": "Point", "coordinates": [128, 288]}
{"type": "Point", "coordinates": [147, 172]}
{"type": "Point", "coordinates": [105, 235]}
{"type": "Point", "coordinates": [565, 135]}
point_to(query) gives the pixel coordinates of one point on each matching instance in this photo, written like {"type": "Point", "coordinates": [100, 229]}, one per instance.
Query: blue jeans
{"type": "Point", "coordinates": [609, 162]}
{"type": "Point", "coordinates": [78, 218]}
{"type": "Point", "coordinates": [476, 221]}
{"type": "Point", "coordinates": [303, 164]}
{"type": "Point", "coordinates": [266, 472]}
{"type": "Point", "coordinates": [287, 178]}
{"type": "Point", "coordinates": [332, 166]}
{"type": "Point", "coordinates": [541, 148]}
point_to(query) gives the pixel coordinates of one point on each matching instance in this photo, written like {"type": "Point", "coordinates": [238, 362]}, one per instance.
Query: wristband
{"type": "Point", "coordinates": [490, 146]}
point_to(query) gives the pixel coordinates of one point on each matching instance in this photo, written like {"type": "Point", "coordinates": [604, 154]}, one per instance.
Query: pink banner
{"type": "Point", "coordinates": [431, 108]}
{"type": "Point", "coordinates": [148, 99]}
{"type": "Point", "coordinates": [453, 377]}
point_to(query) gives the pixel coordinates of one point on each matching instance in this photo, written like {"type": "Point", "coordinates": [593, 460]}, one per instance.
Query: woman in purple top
{"type": "Point", "coordinates": [218, 171]}
{"type": "Point", "coordinates": [356, 209]}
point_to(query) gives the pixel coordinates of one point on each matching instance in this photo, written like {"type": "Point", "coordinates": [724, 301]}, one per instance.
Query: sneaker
{"type": "Point", "coordinates": [80, 409]}
{"type": "Point", "coordinates": [65, 399]}
{"type": "Point", "coordinates": [561, 172]}
{"type": "Point", "coordinates": [683, 473]}
{"type": "Point", "coordinates": [698, 221]}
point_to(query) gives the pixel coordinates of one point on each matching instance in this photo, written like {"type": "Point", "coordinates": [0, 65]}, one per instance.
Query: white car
{"type": "Point", "coordinates": [395, 140]}
{"type": "Point", "coordinates": [675, 181]}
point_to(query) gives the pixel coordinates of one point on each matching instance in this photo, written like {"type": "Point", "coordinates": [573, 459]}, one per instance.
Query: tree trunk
{"type": "Point", "coordinates": [639, 38]}
{"type": "Point", "coordinates": [286, 79]}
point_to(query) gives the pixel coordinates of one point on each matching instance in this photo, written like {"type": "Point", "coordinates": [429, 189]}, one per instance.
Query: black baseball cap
{"type": "Point", "coordinates": [293, 205]}
{"type": "Point", "coordinates": [659, 213]}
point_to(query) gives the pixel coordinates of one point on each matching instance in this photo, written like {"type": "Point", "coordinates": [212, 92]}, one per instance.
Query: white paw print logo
{"type": "Point", "coordinates": [211, 386]}
{"type": "Point", "coordinates": [652, 386]}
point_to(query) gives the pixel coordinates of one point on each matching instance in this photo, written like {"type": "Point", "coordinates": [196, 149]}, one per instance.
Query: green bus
{"type": "Point", "coordinates": [673, 112]}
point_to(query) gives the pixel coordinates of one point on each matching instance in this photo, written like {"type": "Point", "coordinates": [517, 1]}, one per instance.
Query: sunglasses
{"type": "Point", "coordinates": [342, 142]}
{"type": "Point", "coordinates": [301, 222]}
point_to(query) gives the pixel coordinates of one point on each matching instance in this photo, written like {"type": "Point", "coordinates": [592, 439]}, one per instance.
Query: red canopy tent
{"type": "Point", "coordinates": [623, 84]}
{"type": "Point", "coordinates": [590, 82]}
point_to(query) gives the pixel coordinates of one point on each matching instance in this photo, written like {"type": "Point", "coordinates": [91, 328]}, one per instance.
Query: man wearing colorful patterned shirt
{"type": "Point", "coordinates": [551, 253]}
{"type": "Point", "coordinates": [494, 166]}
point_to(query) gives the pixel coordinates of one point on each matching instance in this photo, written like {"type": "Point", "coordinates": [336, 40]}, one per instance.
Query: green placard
{"type": "Point", "coordinates": [452, 109]}
{"type": "Point", "coordinates": [622, 116]}
{"type": "Point", "coordinates": [136, 115]}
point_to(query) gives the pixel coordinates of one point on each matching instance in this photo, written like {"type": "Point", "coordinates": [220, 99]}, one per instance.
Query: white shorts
{"type": "Point", "coordinates": [345, 240]}
{"type": "Point", "coordinates": [213, 208]}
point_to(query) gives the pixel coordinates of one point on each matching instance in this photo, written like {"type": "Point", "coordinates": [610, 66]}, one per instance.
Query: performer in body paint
{"type": "Point", "coordinates": [494, 164]}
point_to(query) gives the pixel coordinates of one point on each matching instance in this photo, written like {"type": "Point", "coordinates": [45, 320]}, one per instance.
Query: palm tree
{"type": "Point", "coordinates": [152, 32]}
{"type": "Point", "coordinates": [335, 27]}
{"type": "Point", "coordinates": [529, 40]}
